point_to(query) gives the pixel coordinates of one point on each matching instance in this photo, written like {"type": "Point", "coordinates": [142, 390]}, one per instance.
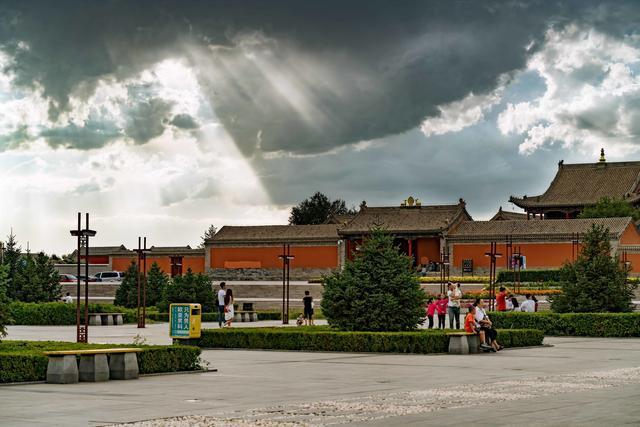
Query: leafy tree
{"type": "Point", "coordinates": [195, 288]}
{"type": "Point", "coordinates": [596, 281]}
{"type": "Point", "coordinates": [47, 278]}
{"type": "Point", "coordinates": [377, 291]}
{"type": "Point", "coordinates": [127, 292]}
{"type": "Point", "coordinates": [157, 281]}
{"type": "Point", "coordinates": [610, 208]}
{"type": "Point", "coordinates": [317, 209]}
{"type": "Point", "coordinates": [208, 234]}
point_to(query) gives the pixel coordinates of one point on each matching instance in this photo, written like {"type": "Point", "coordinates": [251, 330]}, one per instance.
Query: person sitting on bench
{"type": "Point", "coordinates": [472, 327]}
{"type": "Point", "coordinates": [486, 325]}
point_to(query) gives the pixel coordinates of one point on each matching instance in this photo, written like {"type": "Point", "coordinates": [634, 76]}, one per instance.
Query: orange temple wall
{"type": "Point", "coordinates": [267, 257]}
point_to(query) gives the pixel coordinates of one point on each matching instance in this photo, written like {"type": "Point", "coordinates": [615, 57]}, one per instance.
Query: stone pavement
{"type": "Point", "coordinates": [578, 381]}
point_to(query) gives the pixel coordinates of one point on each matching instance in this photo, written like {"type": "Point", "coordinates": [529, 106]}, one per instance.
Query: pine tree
{"type": "Point", "coordinates": [127, 293]}
{"type": "Point", "coordinates": [208, 234]}
{"type": "Point", "coordinates": [11, 259]}
{"type": "Point", "coordinates": [4, 309]}
{"type": "Point", "coordinates": [377, 291]}
{"type": "Point", "coordinates": [157, 281]}
{"type": "Point", "coordinates": [48, 278]}
{"type": "Point", "coordinates": [596, 281]}
{"type": "Point", "coordinates": [190, 287]}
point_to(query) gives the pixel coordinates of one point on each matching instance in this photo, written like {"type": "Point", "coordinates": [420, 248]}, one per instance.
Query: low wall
{"type": "Point", "coordinates": [73, 268]}
{"type": "Point", "coordinates": [99, 292]}
{"type": "Point", "coordinates": [266, 273]}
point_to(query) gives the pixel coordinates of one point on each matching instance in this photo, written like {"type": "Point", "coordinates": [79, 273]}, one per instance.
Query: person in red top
{"type": "Point", "coordinates": [431, 310]}
{"type": "Point", "coordinates": [472, 327]}
{"type": "Point", "coordinates": [441, 307]}
{"type": "Point", "coordinates": [501, 299]}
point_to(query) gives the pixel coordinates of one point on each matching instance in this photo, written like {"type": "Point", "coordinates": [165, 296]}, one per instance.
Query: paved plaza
{"type": "Point", "coordinates": [575, 381]}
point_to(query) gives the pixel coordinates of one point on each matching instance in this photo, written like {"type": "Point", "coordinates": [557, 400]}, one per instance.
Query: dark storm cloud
{"type": "Point", "coordinates": [184, 121]}
{"type": "Point", "coordinates": [92, 134]}
{"type": "Point", "coordinates": [292, 76]}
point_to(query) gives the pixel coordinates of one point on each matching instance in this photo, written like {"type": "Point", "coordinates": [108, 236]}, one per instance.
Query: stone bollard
{"type": "Point", "coordinates": [62, 369]}
{"type": "Point", "coordinates": [94, 367]}
{"type": "Point", "coordinates": [119, 320]}
{"type": "Point", "coordinates": [458, 344]}
{"type": "Point", "coordinates": [123, 366]}
{"type": "Point", "coordinates": [109, 321]}
{"type": "Point", "coordinates": [95, 320]}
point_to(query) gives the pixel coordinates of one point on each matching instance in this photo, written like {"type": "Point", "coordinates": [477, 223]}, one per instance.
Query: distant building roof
{"type": "Point", "coordinates": [506, 215]}
{"type": "Point", "coordinates": [175, 250]}
{"type": "Point", "coordinates": [340, 219]}
{"type": "Point", "coordinates": [585, 184]}
{"type": "Point", "coordinates": [276, 234]}
{"type": "Point", "coordinates": [407, 219]}
{"type": "Point", "coordinates": [562, 229]}
{"type": "Point", "coordinates": [102, 250]}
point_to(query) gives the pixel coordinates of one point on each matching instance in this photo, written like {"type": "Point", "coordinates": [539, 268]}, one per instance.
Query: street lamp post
{"type": "Point", "coordinates": [83, 235]}
{"type": "Point", "coordinates": [142, 291]}
{"type": "Point", "coordinates": [286, 258]}
{"type": "Point", "coordinates": [493, 255]}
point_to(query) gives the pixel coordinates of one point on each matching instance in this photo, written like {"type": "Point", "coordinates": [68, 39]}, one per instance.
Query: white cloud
{"type": "Point", "coordinates": [466, 112]}
{"type": "Point", "coordinates": [592, 95]}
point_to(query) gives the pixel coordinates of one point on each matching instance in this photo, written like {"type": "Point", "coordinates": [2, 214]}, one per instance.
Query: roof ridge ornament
{"type": "Point", "coordinates": [602, 158]}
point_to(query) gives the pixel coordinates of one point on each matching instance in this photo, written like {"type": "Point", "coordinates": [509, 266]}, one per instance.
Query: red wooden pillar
{"type": "Point", "coordinates": [410, 247]}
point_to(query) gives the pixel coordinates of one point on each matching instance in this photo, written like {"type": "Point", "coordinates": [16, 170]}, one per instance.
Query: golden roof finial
{"type": "Point", "coordinates": [602, 159]}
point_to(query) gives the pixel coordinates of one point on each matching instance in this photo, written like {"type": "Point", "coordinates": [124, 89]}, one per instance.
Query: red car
{"type": "Point", "coordinates": [65, 278]}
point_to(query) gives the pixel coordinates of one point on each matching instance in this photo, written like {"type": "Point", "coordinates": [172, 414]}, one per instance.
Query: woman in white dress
{"type": "Point", "coordinates": [229, 312]}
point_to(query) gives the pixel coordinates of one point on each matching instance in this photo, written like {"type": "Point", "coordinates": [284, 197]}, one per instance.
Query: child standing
{"type": "Point", "coordinates": [441, 307]}
{"type": "Point", "coordinates": [431, 310]}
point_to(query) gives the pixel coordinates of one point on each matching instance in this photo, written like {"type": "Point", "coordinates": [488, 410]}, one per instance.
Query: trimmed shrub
{"type": "Point", "coordinates": [529, 276]}
{"type": "Point", "coordinates": [58, 313]}
{"type": "Point", "coordinates": [188, 288]}
{"type": "Point", "coordinates": [24, 361]}
{"type": "Point", "coordinates": [18, 367]}
{"type": "Point", "coordinates": [572, 324]}
{"type": "Point", "coordinates": [327, 339]}
{"type": "Point", "coordinates": [213, 317]}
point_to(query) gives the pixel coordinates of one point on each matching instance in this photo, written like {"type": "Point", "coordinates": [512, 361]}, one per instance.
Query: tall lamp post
{"type": "Point", "coordinates": [444, 269]}
{"type": "Point", "coordinates": [286, 258]}
{"type": "Point", "coordinates": [142, 290]}
{"type": "Point", "coordinates": [82, 330]}
{"type": "Point", "coordinates": [493, 256]}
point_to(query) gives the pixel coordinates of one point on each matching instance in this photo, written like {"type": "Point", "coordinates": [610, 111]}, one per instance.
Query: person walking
{"type": "Point", "coordinates": [441, 307]}
{"type": "Point", "coordinates": [221, 295]}
{"type": "Point", "coordinates": [432, 306]}
{"type": "Point", "coordinates": [67, 299]}
{"type": "Point", "coordinates": [453, 306]}
{"type": "Point", "coordinates": [229, 310]}
{"type": "Point", "coordinates": [308, 308]}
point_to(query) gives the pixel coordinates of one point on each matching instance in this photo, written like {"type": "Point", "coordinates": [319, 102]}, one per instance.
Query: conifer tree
{"type": "Point", "coordinates": [596, 281]}
{"type": "Point", "coordinates": [157, 281]}
{"type": "Point", "coordinates": [127, 293]}
{"type": "Point", "coordinates": [11, 259]}
{"type": "Point", "coordinates": [190, 287]}
{"type": "Point", "coordinates": [377, 291]}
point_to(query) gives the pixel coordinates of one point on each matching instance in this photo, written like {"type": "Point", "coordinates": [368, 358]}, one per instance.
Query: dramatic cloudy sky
{"type": "Point", "coordinates": [162, 117]}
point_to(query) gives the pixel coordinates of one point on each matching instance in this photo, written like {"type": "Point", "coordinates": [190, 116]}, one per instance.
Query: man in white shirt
{"type": "Point", "coordinates": [486, 325]}
{"type": "Point", "coordinates": [221, 294]}
{"type": "Point", "coordinates": [67, 299]}
{"type": "Point", "coordinates": [453, 306]}
{"type": "Point", "coordinates": [528, 305]}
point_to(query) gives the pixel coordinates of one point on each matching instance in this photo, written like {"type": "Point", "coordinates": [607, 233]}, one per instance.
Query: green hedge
{"type": "Point", "coordinates": [529, 276]}
{"type": "Point", "coordinates": [325, 339]}
{"type": "Point", "coordinates": [573, 324]}
{"type": "Point", "coordinates": [58, 313]}
{"type": "Point", "coordinates": [23, 360]}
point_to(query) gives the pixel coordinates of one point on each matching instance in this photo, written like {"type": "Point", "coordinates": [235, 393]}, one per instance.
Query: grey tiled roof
{"type": "Point", "coordinates": [585, 184]}
{"type": "Point", "coordinates": [277, 233]}
{"type": "Point", "coordinates": [413, 219]}
{"type": "Point", "coordinates": [535, 229]}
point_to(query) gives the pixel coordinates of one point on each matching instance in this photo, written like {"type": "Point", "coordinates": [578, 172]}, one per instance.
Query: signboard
{"type": "Point", "coordinates": [467, 266]}
{"type": "Point", "coordinates": [180, 320]}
